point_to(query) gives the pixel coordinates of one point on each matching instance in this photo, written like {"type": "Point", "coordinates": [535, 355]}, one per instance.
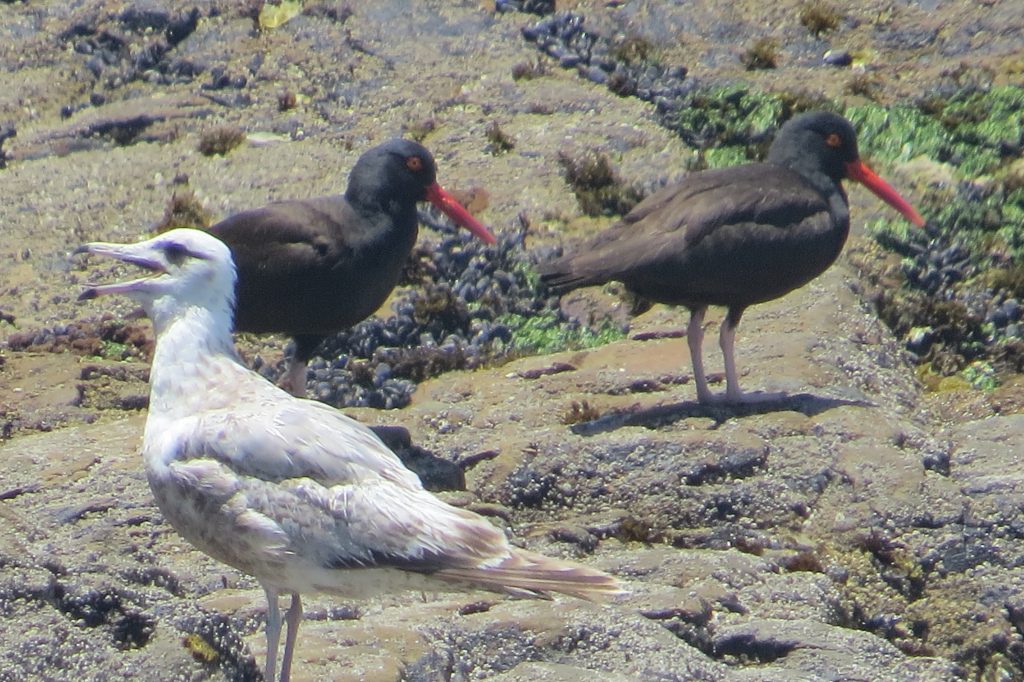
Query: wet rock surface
{"type": "Point", "coordinates": [859, 527]}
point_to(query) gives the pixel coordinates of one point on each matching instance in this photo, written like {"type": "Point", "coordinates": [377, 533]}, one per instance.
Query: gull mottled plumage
{"type": "Point", "coordinates": [289, 490]}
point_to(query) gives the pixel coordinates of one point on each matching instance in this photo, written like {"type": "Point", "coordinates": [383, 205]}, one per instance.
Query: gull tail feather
{"type": "Point", "coordinates": [527, 574]}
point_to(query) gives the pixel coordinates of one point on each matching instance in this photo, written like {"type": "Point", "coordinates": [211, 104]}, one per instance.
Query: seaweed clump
{"type": "Point", "coordinates": [498, 141]}
{"type": "Point", "coordinates": [529, 70]}
{"type": "Point", "coordinates": [864, 85]}
{"type": "Point", "coordinates": [763, 53]}
{"type": "Point", "coordinates": [418, 130]}
{"type": "Point", "coordinates": [220, 140]}
{"type": "Point", "coordinates": [819, 17]}
{"type": "Point", "coordinates": [632, 49]}
{"type": "Point", "coordinates": [184, 210]}
{"type": "Point", "coordinates": [580, 411]}
{"type": "Point", "coordinates": [598, 188]}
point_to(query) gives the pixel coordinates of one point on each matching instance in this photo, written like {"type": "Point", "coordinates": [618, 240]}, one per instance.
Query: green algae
{"type": "Point", "coordinates": [728, 115]}
{"type": "Point", "coordinates": [975, 131]}
{"type": "Point", "coordinates": [114, 350]}
{"type": "Point", "coordinates": [722, 157]}
{"type": "Point", "coordinates": [546, 333]}
{"type": "Point", "coordinates": [981, 375]}
{"type": "Point", "coordinates": [897, 133]}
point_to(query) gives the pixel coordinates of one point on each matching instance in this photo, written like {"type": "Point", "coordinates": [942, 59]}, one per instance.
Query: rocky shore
{"type": "Point", "coordinates": [865, 527]}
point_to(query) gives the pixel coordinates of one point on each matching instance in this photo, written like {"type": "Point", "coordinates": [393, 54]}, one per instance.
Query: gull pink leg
{"type": "Point", "coordinates": [293, 617]}
{"type": "Point", "coordinates": [273, 633]}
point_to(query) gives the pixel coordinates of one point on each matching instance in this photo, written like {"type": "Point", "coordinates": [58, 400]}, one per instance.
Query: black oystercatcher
{"type": "Point", "coordinates": [735, 236]}
{"type": "Point", "coordinates": [311, 267]}
{"type": "Point", "coordinates": [292, 491]}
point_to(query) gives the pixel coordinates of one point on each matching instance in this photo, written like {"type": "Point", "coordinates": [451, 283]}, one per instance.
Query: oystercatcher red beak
{"type": "Point", "coordinates": [859, 171]}
{"type": "Point", "coordinates": [460, 216]}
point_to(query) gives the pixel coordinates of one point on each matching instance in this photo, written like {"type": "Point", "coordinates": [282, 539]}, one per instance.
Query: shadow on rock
{"type": "Point", "coordinates": [663, 415]}
{"type": "Point", "coordinates": [436, 473]}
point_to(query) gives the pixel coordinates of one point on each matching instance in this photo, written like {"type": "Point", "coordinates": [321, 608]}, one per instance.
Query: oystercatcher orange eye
{"type": "Point", "coordinates": [834, 140]}
{"type": "Point", "coordinates": [414, 163]}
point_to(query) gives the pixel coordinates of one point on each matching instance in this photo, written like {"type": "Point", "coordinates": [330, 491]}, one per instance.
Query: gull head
{"type": "Point", "coordinates": [185, 269]}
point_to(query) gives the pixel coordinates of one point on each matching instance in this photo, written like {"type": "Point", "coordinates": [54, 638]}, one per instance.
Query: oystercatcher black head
{"type": "Point", "coordinates": [822, 143]}
{"type": "Point", "coordinates": [814, 142]}
{"type": "Point", "coordinates": [735, 236]}
{"type": "Point", "coordinates": [392, 177]}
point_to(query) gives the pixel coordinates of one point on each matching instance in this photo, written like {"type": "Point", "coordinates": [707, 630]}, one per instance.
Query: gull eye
{"type": "Point", "coordinates": [176, 253]}
{"type": "Point", "coordinates": [414, 163]}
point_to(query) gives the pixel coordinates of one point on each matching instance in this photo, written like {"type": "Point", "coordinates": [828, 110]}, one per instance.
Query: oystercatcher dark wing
{"type": "Point", "coordinates": [699, 243]}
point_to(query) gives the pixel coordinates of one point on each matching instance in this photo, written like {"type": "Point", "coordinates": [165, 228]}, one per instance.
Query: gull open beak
{"type": "Point", "coordinates": [128, 253]}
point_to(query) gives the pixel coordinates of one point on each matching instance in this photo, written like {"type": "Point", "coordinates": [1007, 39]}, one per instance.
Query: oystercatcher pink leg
{"type": "Point", "coordinates": [695, 341]}
{"type": "Point", "coordinates": [727, 341]}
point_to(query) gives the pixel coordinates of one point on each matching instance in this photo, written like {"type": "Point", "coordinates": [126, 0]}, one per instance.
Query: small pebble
{"type": "Point", "coordinates": [837, 58]}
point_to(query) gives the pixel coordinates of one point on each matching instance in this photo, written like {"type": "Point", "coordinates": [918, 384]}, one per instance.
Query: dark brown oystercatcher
{"type": "Point", "coordinates": [309, 268]}
{"type": "Point", "coordinates": [736, 236]}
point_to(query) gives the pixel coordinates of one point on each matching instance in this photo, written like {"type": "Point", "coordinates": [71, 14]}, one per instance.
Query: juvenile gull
{"type": "Point", "coordinates": [735, 236]}
{"type": "Point", "coordinates": [309, 268]}
{"type": "Point", "coordinates": [290, 490]}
